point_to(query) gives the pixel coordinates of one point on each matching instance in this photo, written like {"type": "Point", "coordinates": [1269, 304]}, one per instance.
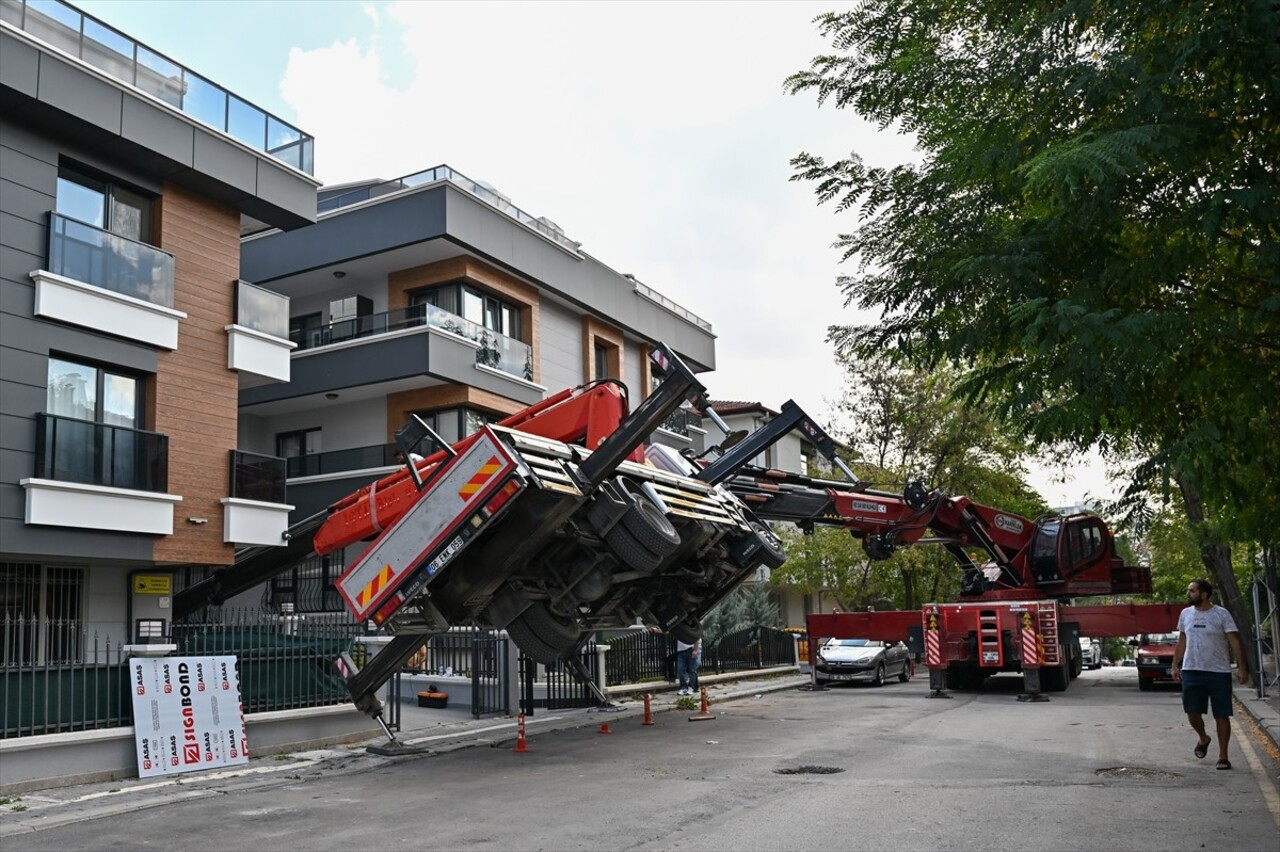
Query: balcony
{"type": "Point", "coordinates": [258, 340]}
{"type": "Point", "coordinates": [342, 461]}
{"type": "Point", "coordinates": [107, 282]}
{"type": "Point", "coordinates": [493, 350]}
{"type": "Point", "coordinates": [256, 512]}
{"type": "Point", "coordinates": [116, 55]}
{"type": "Point", "coordinates": [540, 225]}
{"type": "Point", "coordinates": [98, 476]}
{"type": "Point", "coordinates": [679, 421]}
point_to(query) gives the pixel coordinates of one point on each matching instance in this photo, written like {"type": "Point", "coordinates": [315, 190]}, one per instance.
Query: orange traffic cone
{"type": "Point", "coordinates": [604, 729]}
{"type": "Point", "coordinates": [648, 710]}
{"type": "Point", "coordinates": [521, 748]}
{"type": "Point", "coordinates": [703, 714]}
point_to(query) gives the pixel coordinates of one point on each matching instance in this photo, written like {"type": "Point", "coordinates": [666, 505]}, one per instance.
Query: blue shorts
{"type": "Point", "coordinates": [1202, 689]}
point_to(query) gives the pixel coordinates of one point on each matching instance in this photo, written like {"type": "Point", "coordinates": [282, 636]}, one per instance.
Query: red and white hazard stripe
{"type": "Point", "coordinates": [932, 649]}
{"type": "Point", "coordinates": [1030, 648]}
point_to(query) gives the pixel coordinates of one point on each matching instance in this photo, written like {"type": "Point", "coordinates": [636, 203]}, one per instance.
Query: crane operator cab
{"type": "Point", "coordinates": [1076, 548]}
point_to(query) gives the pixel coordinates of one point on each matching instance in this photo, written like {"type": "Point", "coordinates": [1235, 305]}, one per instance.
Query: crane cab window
{"type": "Point", "coordinates": [1083, 541]}
{"type": "Point", "coordinates": [1044, 553]}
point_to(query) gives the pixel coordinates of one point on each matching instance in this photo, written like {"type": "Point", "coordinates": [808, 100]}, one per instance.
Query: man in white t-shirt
{"type": "Point", "coordinates": [687, 666]}
{"type": "Point", "coordinates": [1207, 636]}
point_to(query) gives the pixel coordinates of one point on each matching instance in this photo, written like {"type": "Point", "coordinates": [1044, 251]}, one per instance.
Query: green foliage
{"type": "Point", "coordinates": [1092, 233]}
{"type": "Point", "coordinates": [746, 606]}
{"type": "Point", "coordinates": [903, 424]}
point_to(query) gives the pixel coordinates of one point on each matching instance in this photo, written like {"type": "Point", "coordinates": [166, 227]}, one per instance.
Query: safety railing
{"type": "Point", "coordinates": [91, 255]}
{"type": "Point", "coordinates": [73, 450]}
{"type": "Point", "coordinates": [257, 477]}
{"type": "Point", "coordinates": [112, 52]}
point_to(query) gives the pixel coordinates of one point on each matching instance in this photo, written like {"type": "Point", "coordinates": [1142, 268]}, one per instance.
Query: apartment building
{"type": "Point", "coordinates": [126, 183]}
{"type": "Point", "coordinates": [434, 295]}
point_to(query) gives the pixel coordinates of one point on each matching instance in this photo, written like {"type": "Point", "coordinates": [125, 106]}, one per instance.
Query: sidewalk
{"type": "Point", "coordinates": [1264, 711]}
{"type": "Point", "coordinates": [423, 731]}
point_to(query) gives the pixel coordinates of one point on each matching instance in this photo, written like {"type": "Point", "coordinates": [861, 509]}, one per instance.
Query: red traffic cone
{"type": "Point", "coordinates": [521, 748]}
{"type": "Point", "coordinates": [648, 710]}
{"type": "Point", "coordinates": [604, 729]}
{"type": "Point", "coordinates": [703, 715]}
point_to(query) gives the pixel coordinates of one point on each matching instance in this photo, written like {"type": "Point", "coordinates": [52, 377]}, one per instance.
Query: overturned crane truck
{"type": "Point", "coordinates": [546, 539]}
{"type": "Point", "coordinates": [1014, 612]}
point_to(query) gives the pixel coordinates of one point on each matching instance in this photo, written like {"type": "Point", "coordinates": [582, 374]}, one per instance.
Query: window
{"type": "Point", "coordinates": [93, 393]}
{"type": "Point", "coordinates": [294, 447]}
{"type": "Point", "coordinates": [602, 361]}
{"type": "Point", "coordinates": [454, 424]}
{"type": "Point", "coordinates": [308, 587]}
{"type": "Point", "coordinates": [41, 610]}
{"type": "Point", "coordinates": [483, 309]}
{"type": "Point", "coordinates": [103, 204]}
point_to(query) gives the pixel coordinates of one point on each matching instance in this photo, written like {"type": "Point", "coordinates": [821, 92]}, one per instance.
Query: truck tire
{"type": "Point", "coordinates": [1054, 678]}
{"type": "Point", "coordinates": [632, 553]}
{"type": "Point", "coordinates": [770, 554]}
{"type": "Point", "coordinates": [651, 529]}
{"type": "Point", "coordinates": [542, 637]}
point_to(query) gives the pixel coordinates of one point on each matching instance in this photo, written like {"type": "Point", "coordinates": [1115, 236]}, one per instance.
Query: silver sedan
{"type": "Point", "coordinates": [862, 660]}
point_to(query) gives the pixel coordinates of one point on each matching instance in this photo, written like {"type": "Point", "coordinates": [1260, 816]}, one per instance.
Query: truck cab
{"type": "Point", "coordinates": [1155, 658]}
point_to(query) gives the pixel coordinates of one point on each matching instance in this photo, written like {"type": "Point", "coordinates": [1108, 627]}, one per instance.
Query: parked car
{"type": "Point", "coordinates": [1091, 653]}
{"type": "Point", "coordinates": [1155, 658]}
{"type": "Point", "coordinates": [1129, 663]}
{"type": "Point", "coordinates": [865, 660]}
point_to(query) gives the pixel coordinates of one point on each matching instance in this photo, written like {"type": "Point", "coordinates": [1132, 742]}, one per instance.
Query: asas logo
{"type": "Point", "coordinates": [226, 680]}
{"type": "Point", "coordinates": [173, 751]}
{"type": "Point", "coordinates": [208, 747]}
{"type": "Point", "coordinates": [168, 681]}
{"type": "Point", "coordinates": [139, 683]}
{"type": "Point", "coordinates": [146, 754]}
{"type": "Point", "coordinates": [199, 677]}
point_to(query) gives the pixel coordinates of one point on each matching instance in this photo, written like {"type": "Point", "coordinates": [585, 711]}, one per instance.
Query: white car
{"type": "Point", "coordinates": [863, 660]}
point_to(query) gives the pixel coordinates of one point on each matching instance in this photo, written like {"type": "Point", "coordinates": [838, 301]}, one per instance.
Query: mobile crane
{"type": "Point", "coordinates": [1014, 610]}
{"type": "Point", "coordinates": [551, 524]}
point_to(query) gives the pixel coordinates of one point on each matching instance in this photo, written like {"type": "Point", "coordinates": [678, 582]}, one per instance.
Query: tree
{"type": "Point", "coordinates": [1092, 235]}
{"type": "Point", "coordinates": [900, 425]}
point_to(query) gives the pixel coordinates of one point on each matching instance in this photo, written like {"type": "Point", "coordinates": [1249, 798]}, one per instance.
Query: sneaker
{"type": "Point", "coordinates": [684, 692]}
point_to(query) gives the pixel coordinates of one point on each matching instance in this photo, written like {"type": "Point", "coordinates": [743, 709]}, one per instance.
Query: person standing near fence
{"type": "Point", "coordinates": [687, 666]}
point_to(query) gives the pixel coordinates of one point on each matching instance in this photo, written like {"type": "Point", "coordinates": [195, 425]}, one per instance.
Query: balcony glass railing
{"type": "Point", "coordinates": [342, 461]}
{"type": "Point", "coordinates": [496, 350]}
{"type": "Point", "coordinates": [114, 53]}
{"type": "Point", "coordinates": [680, 420]}
{"type": "Point", "coordinates": [262, 310]}
{"type": "Point", "coordinates": [71, 450]}
{"type": "Point", "coordinates": [91, 255]}
{"type": "Point", "coordinates": [447, 173]}
{"type": "Point", "coordinates": [684, 313]}
{"type": "Point", "coordinates": [257, 477]}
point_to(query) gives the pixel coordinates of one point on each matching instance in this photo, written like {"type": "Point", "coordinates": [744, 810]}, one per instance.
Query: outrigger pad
{"type": "Point", "coordinates": [397, 748]}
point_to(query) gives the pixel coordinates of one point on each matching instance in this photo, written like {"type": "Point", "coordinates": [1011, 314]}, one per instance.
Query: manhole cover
{"type": "Point", "coordinates": [1136, 772]}
{"type": "Point", "coordinates": [809, 770]}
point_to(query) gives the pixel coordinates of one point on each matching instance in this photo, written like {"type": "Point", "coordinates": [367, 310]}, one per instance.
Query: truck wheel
{"type": "Point", "coordinates": [651, 529]}
{"type": "Point", "coordinates": [953, 677]}
{"type": "Point", "coordinates": [632, 553]}
{"type": "Point", "coordinates": [1054, 678]}
{"type": "Point", "coordinates": [770, 554]}
{"type": "Point", "coordinates": [542, 637]}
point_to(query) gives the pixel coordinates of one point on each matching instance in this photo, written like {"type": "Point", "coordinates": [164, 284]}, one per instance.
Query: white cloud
{"type": "Point", "coordinates": [657, 134]}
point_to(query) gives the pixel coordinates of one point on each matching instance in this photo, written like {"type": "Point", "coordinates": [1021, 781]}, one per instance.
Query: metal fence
{"type": "Point", "coordinates": [750, 648]}
{"type": "Point", "coordinates": [473, 652]}
{"type": "Point", "coordinates": [283, 663]}
{"type": "Point", "coordinates": [640, 656]}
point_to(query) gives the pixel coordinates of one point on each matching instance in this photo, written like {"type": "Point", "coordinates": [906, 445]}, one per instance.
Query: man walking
{"type": "Point", "coordinates": [687, 666]}
{"type": "Point", "coordinates": [1207, 636]}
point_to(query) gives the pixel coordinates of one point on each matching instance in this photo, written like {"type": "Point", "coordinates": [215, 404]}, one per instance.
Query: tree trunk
{"type": "Point", "coordinates": [909, 590]}
{"type": "Point", "coordinates": [1217, 559]}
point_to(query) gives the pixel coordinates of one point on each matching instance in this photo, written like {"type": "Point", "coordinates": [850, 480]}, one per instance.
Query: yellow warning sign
{"type": "Point", "coordinates": [1026, 620]}
{"type": "Point", "coordinates": [152, 584]}
{"type": "Point", "coordinates": [933, 621]}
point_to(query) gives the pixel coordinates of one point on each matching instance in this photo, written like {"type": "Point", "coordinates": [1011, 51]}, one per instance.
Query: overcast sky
{"type": "Point", "coordinates": [657, 134]}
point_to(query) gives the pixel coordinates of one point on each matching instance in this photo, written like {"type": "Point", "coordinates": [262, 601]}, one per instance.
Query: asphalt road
{"type": "Point", "coordinates": [1100, 767]}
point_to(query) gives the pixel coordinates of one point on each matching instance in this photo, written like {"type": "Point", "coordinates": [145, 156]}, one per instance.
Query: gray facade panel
{"type": "Point", "coordinates": [19, 167]}
{"type": "Point", "coordinates": [37, 337]}
{"type": "Point", "coordinates": [412, 219]}
{"type": "Point", "coordinates": [561, 347]}
{"type": "Point", "coordinates": [225, 163]}
{"type": "Point", "coordinates": [166, 134]}
{"type": "Point", "coordinates": [283, 187]}
{"type": "Point", "coordinates": [23, 233]}
{"type": "Point", "coordinates": [29, 204]}
{"type": "Point", "coordinates": [66, 543]}
{"type": "Point", "coordinates": [370, 363]}
{"type": "Point", "coordinates": [75, 92]}
{"type": "Point", "coordinates": [19, 65]}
